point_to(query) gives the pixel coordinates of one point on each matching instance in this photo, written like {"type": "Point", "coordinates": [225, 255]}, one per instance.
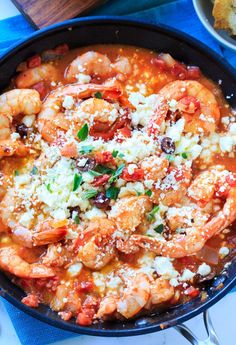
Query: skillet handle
{"type": "Point", "coordinates": [188, 334]}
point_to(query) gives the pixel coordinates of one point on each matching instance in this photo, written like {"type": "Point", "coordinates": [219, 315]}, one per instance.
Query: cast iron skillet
{"type": "Point", "coordinates": [86, 31]}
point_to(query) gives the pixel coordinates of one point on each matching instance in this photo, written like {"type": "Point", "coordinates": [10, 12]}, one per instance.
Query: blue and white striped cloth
{"type": "Point", "coordinates": [179, 14]}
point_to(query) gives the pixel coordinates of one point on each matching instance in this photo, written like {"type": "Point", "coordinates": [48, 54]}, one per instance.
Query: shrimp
{"type": "Point", "coordinates": [155, 168]}
{"type": "Point", "coordinates": [11, 262]}
{"type": "Point", "coordinates": [196, 103]}
{"type": "Point", "coordinates": [135, 295]}
{"type": "Point", "coordinates": [160, 291]}
{"type": "Point", "coordinates": [52, 122]}
{"type": "Point", "coordinates": [107, 307]}
{"type": "Point", "coordinates": [129, 212]}
{"type": "Point", "coordinates": [96, 65]}
{"type": "Point", "coordinates": [12, 104]}
{"type": "Point", "coordinates": [194, 238]}
{"type": "Point", "coordinates": [45, 233]}
{"type": "Point", "coordinates": [99, 250]}
{"type": "Point", "coordinates": [35, 75]}
{"type": "Point", "coordinates": [3, 185]}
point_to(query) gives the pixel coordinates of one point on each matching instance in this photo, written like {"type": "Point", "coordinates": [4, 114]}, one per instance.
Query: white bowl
{"type": "Point", "coordinates": [203, 9]}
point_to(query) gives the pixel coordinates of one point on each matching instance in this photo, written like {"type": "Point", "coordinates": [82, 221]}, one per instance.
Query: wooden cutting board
{"type": "Point", "coordinates": [41, 13]}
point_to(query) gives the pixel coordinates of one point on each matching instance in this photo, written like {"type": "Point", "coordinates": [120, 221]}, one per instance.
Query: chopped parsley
{"type": "Point", "coordinates": [116, 174]}
{"type": "Point", "coordinates": [77, 182]}
{"type": "Point", "coordinates": [98, 95]}
{"type": "Point", "coordinates": [159, 229]}
{"type": "Point", "coordinates": [76, 219]}
{"type": "Point", "coordinates": [121, 155]}
{"type": "Point", "coordinates": [48, 186]}
{"type": "Point", "coordinates": [83, 132]}
{"type": "Point", "coordinates": [94, 173]}
{"type": "Point", "coordinates": [34, 171]}
{"type": "Point", "coordinates": [16, 173]}
{"type": "Point", "coordinates": [104, 170]}
{"type": "Point", "coordinates": [148, 192]}
{"type": "Point", "coordinates": [170, 158]}
{"type": "Point", "coordinates": [184, 155]}
{"type": "Point", "coordinates": [138, 193]}
{"type": "Point", "coordinates": [90, 194]}
{"type": "Point", "coordinates": [112, 192]}
{"type": "Point", "coordinates": [115, 153]}
{"type": "Point", "coordinates": [86, 149]}
{"type": "Point", "coordinates": [151, 215]}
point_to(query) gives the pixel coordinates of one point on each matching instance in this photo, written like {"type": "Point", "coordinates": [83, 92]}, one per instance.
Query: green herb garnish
{"type": "Point", "coordinates": [138, 193]}
{"type": "Point", "coordinates": [76, 219]}
{"type": "Point", "coordinates": [98, 95]}
{"type": "Point", "coordinates": [16, 173]}
{"type": "Point", "coordinates": [159, 228]}
{"type": "Point", "coordinates": [148, 192]}
{"type": "Point", "coordinates": [151, 215]}
{"type": "Point", "coordinates": [34, 171]}
{"type": "Point", "coordinates": [112, 192]}
{"type": "Point", "coordinates": [94, 173]}
{"type": "Point", "coordinates": [90, 194]}
{"type": "Point", "coordinates": [170, 158]}
{"type": "Point", "coordinates": [184, 155]}
{"type": "Point", "coordinates": [104, 170]}
{"type": "Point", "coordinates": [115, 153]}
{"type": "Point", "coordinates": [83, 132]}
{"type": "Point", "coordinates": [86, 149]}
{"type": "Point", "coordinates": [77, 182]}
{"type": "Point", "coordinates": [117, 173]}
{"type": "Point", "coordinates": [121, 155]}
{"type": "Point", "coordinates": [48, 186]}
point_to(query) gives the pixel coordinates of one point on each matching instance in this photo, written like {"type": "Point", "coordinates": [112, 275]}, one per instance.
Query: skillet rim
{"type": "Point", "coordinates": [195, 44]}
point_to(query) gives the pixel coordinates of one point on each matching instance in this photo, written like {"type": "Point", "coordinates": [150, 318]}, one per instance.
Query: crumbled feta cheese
{"type": "Point", "coordinates": [224, 251]}
{"type": "Point", "coordinates": [68, 102]}
{"type": "Point", "coordinates": [83, 78]}
{"type": "Point", "coordinates": [164, 267]}
{"type": "Point", "coordinates": [187, 275]}
{"type": "Point", "coordinates": [204, 269]}
{"type": "Point", "coordinates": [15, 136]}
{"type": "Point", "coordinates": [75, 269]}
{"type": "Point", "coordinates": [226, 144]}
{"type": "Point", "coordinates": [94, 213]}
{"type": "Point", "coordinates": [28, 120]}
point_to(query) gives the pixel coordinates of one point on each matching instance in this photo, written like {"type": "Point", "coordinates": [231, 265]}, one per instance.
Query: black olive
{"type": "Point", "coordinates": [22, 130]}
{"type": "Point", "coordinates": [73, 209]}
{"type": "Point", "coordinates": [167, 145]}
{"type": "Point", "coordinates": [101, 201]}
{"type": "Point", "coordinates": [85, 163]}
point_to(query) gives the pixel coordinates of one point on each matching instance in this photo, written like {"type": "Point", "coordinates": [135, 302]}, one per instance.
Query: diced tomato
{"type": "Point", "coordinates": [41, 88]}
{"type": "Point", "coordinates": [100, 180]}
{"type": "Point", "coordinates": [91, 302]}
{"type": "Point", "coordinates": [104, 157]}
{"type": "Point", "coordinates": [192, 291]}
{"type": "Point", "coordinates": [138, 175]}
{"type": "Point", "coordinates": [34, 61]}
{"type": "Point", "coordinates": [161, 64]}
{"type": "Point", "coordinates": [123, 133]}
{"type": "Point", "coordinates": [85, 286]}
{"type": "Point", "coordinates": [81, 239]}
{"type": "Point", "coordinates": [193, 72]}
{"type": "Point", "coordinates": [65, 315]}
{"type": "Point", "coordinates": [231, 179]}
{"type": "Point", "coordinates": [179, 71]}
{"type": "Point", "coordinates": [111, 95]}
{"type": "Point", "coordinates": [31, 301]}
{"type": "Point", "coordinates": [69, 150]}
{"type": "Point", "coordinates": [62, 49]}
{"type": "Point", "coordinates": [85, 317]}
{"type": "Point", "coordinates": [189, 104]}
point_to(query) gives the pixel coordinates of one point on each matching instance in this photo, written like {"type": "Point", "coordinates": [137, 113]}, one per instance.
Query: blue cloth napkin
{"type": "Point", "coordinates": [179, 14]}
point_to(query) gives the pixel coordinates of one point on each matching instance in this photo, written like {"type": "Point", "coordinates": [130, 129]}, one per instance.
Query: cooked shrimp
{"type": "Point", "coordinates": [196, 103]}
{"type": "Point", "coordinates": [13, 103]}
{"type": "Point", "coordinates": [53, 123]}
{"type": "Point", "coordinates": [11, 262]}
{"type": "Point", "coordinates": [155, 168]}
{"type": "Point", "coordinates": [129, 212]}
{"type": "Point", "coordinates": [135, 295]}
{"type": "Point", "coordinates": [34, 75]}
{"type": "Point", "coordinates": [99, 250]}
{"type": "Point", "coordinates": [194, 238]}
{"type": "Point", "coordinates": [160, 291]}
{"type": "Point", "coordinates": [107, 307]}
{"type": "Point", "coordinates": [96, 65]}
{"type": "Point", "coordinates": [3, 185]}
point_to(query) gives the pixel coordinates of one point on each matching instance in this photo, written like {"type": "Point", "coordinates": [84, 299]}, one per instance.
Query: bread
{"type": "Point", "coordinates": [224, 12]}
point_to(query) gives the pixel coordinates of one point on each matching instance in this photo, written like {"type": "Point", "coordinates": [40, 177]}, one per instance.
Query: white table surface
{"type": "Point", "coordinates": [222, 314]}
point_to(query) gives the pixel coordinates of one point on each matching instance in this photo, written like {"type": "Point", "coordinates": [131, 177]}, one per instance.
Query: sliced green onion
{"type": "Point", "coordinates": [90, 194]}
{"type": "Point", "coordinates": [121, 155]}
{"type": "Point", "coordinates": [148, 192]}
{"type": "Point", "coordinates": [34, 171]}
{"type": "Point", "coordinates": [151, 215]}
{"type": "Point", "coordinates": [48, 186]}
{"type": "Point", "coordinates": [170, 158]}
{"type": "Point", "coordinates": [104, 170]}
{"type": "Point", "coordinates": [115, 153]}
{"type": "Point", "coordinates": [184, 155]}
{"type": "Point", "coordinates": [94, 173]}
{"type": "Point", "coordinates": [98, 95]}
{"type": "Point", "coordinates": [76, 219]}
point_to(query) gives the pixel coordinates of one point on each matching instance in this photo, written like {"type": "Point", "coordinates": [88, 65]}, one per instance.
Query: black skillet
{"type": "Point", "coordinates": [94, 30]}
